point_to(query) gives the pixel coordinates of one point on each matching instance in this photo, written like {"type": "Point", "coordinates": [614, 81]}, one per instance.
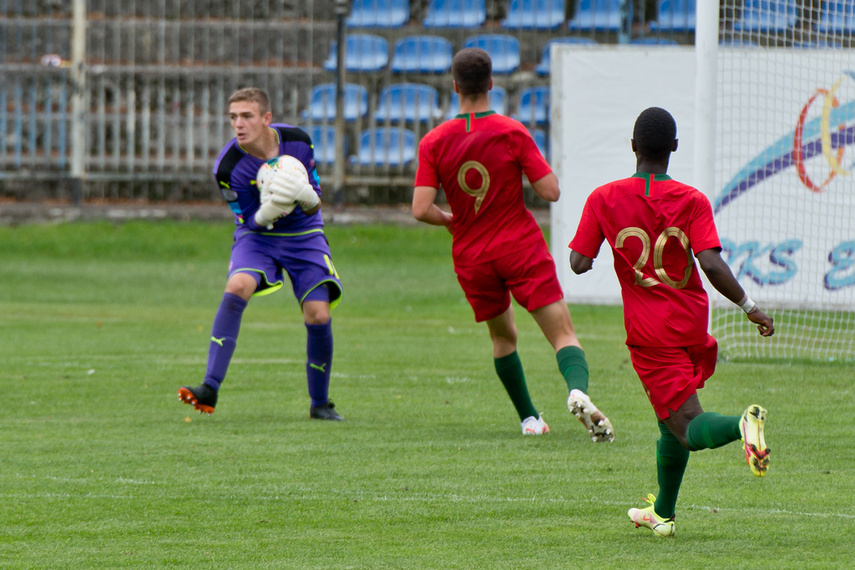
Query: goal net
{"type": "Point", "coordinates": [785, 175]}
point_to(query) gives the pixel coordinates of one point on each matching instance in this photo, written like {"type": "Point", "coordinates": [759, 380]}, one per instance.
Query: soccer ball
{"type": "Point", "coordinates": [279, 164]}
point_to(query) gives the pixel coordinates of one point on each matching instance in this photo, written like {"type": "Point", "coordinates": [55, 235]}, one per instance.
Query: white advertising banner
{"type": "Point", "coordinates": [784, 199]}
{"type": "Point", "coordinates": [597, 93]}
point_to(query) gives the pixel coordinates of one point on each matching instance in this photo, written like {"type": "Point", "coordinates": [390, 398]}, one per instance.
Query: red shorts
{"type": "Point", "coordinates": [528, 275]}
{"type": "Point", "coordinates": [671, 375]}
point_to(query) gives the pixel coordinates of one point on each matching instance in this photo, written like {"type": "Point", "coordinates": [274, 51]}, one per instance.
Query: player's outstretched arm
{"type": "Point", "coordinates": [721, 277]}
{"type": "Point", "coordinates": [425, 210]}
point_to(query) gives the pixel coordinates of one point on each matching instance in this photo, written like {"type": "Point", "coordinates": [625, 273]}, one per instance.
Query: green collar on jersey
{"type": "Point", "coordinates": [649, 178]}
{"type": "Point", "coordinates": [470, 116]}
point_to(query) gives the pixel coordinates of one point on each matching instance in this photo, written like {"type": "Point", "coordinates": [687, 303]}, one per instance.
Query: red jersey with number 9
{"type": "Point", "coordinates": [654, 226]}
{"type": "Point", "coordinates": [478, 159]}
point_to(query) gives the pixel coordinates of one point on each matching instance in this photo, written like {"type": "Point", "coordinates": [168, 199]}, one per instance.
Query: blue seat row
{"type": "Point", "coordinates": [837, 16]}
{"type": "Point", "coordinates": [433, 54]}
{"type": "Point", "coordinates": [598, 15]}
{"type": "Point", "coordinates": [385, 147]}
{"type": "Point", "coordinates": [382, 146]}
{"type": "Point", "coordinates": [771, 16]}
{"type": "Point", "coordinates": [539, 14]}
{"type": "Point", "coordinates": [422, 54]}
{"type": "Point", "coordinates": [521, 14]}
{"type": "Point", "coordinates": [415, 102]}
{"type": "Point", "coordinates": [766, 16]}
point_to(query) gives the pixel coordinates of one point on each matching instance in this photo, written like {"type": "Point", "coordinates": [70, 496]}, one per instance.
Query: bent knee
{"type": "Point", "coordinates": [316, 312]}
{"type": "Point", "coordinates": [242, 284]}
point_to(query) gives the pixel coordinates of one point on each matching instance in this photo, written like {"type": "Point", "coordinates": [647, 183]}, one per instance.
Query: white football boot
{"type": "Point", "coordinates": [598, 425]}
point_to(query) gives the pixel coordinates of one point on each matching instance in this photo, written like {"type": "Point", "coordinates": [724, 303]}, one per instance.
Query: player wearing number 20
{"type": "Point", "coordinates": [654, 225]}
{"type": "Point", "coordinates": [278, 230]}
{"type": "Point", "coordinates": [479, 158]}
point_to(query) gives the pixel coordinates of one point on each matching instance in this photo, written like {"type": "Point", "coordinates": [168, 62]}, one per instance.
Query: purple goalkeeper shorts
{"type": "Point", "coordinates": [304, 257]}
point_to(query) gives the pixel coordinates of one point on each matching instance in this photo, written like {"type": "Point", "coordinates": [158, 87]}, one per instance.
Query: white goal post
{"type": "Point", "coordinates": [766, 122]}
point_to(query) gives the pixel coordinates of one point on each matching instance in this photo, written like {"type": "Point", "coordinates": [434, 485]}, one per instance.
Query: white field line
{"type": "Point", "coordinates": [429, 498]}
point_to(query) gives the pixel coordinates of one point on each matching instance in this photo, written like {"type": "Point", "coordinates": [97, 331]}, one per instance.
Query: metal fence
{"type": "Point", "coordinates": [102, 99]}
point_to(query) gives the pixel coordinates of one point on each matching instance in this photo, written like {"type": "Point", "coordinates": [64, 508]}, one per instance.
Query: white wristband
{"type": "Point", "coordinates": [747, 305]}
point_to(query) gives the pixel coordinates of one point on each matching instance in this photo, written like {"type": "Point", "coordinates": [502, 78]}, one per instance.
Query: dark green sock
{"type": "Point", "coordinates": [671, 460]}
{"type": "Point", "coordinates": [710, 430]}
{"type": "Point", "coordinates": [574, 367]}
{"type": "Point", "coordinates": [510, 371]}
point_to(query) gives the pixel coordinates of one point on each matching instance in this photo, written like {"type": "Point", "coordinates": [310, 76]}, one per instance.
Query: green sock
{"type": "Point", "coordinates": [710, 430]}
{"type": "Point", "coordinates": [574, 367]}
{"type": "Point", "coordinates": [510, 371]}
{"type": "Point", "coordinates": [671, 460]}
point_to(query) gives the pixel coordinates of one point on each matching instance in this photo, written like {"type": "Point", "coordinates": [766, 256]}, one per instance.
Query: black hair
{"type": "Point", "coordinates": [654, 133]}
{"type": "Point", "coordinates": [472, 70]}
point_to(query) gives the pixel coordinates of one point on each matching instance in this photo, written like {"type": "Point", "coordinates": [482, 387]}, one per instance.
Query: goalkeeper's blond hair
{"type": "Point", "coordinates": [253, 95]}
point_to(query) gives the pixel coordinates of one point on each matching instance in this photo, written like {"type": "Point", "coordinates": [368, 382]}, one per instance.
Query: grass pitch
{"type": "Point", "coordinates": [102, 467]}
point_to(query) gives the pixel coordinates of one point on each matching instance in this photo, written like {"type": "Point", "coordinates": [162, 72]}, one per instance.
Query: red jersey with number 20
{"type": "Point", "coordinates": [479, 160]}
{"type": "Point", "coordinates": [653, 225]}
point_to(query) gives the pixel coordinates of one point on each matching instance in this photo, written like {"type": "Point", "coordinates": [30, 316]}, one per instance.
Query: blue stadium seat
{"type": "Point", "coordinates": [386, 147]}
{"type": "Point", "coordinates": [598, 15]}
{"type": "Point", "coordinates": [322, 102]}
{"type": "Point", "coordinates": [498, 102]}
{"type": "Point", "coordinates": [539, 136]}
{"type": "Point", "coordinates": [837, 17]}
{"type": "Point", "coordinates": [379, 13]}
{"type": "Point", "coordinates": [766, 16]}
{"type": "Point", "coordinates": [503, 49]}
{"type": "Point", "coordinates": [323, 138]}
{"type": "Point", "coordinates": [534, 106]}
{"type": "Point", "coordinates": [365, 52]}
{"type": "Point", "coordinates": [422, 54]}
{"type": "Point", "coordinates": [455, 14]}
{"type": "Point", "coordinates": [675, 16]}
{"type": "Point", "coordinates": [543, 66]}
{"type": "Point", "coordinates": [406, 102]}
{"type": "Point", "coordinates": [534, 14]}
{"type": "Point", "coordinates": [654, 41]}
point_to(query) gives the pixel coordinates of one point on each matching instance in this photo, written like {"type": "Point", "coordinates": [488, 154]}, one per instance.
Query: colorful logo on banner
{"type": "Point", "coordinates": [827, 135]}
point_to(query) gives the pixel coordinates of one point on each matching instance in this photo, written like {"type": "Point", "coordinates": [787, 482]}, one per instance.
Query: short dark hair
{"type": "Point", "coordinates": [472, 70]}
{"type": "Point", "coordinates": [252, 95]}
{"type": "Point", "coordinates": [654, 132]}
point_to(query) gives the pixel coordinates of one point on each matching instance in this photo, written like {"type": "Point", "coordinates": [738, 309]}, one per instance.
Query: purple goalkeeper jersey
{"type": "Point", "coordinates": [235, 171]}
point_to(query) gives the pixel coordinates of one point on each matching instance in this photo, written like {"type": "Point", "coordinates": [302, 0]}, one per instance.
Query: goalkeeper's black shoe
{"type": "Point", "coordinates": [203, 398]}
{"type": "Point", "coordinates": [325, 412]}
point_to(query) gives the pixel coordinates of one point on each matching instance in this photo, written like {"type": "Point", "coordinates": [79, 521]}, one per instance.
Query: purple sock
{"type": "Point", "coordinates": [319, 352]}
{"type": "Point", "coordinates": [224, 335]}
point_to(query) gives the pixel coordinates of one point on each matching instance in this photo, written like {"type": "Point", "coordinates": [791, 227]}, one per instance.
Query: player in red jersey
{"type": "Point", "coordinates": [478, 158]}
{"type": "Point", "coordinates": [654, 225]}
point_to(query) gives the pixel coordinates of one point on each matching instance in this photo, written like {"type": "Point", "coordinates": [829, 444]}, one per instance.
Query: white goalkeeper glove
{"type": "Point", "coordinates": [271, 209]}
{"type": "Point", "coordinates": [306, 197]}
{"type": "Point", "coordinates": [292, 186]}
{"type": "Point", "coordinates": [285, 184]}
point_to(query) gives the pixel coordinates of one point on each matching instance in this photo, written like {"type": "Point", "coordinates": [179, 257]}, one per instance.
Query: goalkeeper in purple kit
{"type": "Point", "coordinates": [279, 230]}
